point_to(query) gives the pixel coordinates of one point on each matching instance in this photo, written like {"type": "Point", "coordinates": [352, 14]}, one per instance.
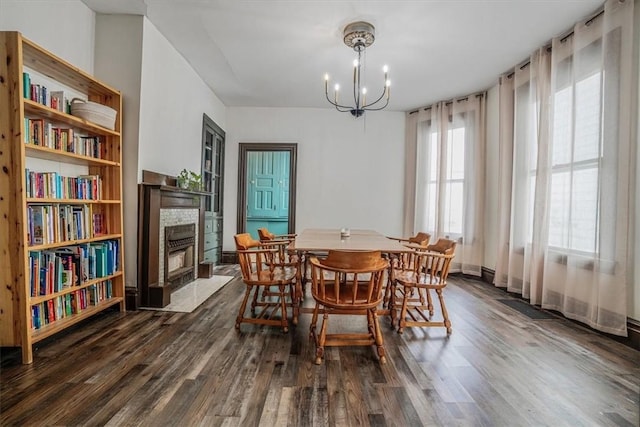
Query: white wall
{"type": "Point", "coordinates": [65, 28]}
{"type": "Point", "coordinates": [350, 172]}
{"type": "Point", "coordinates": [172, 100]}
{"type": "Point", "coordinates": [120, 36]}
{"type": "Point", "coordinates": [163, 103]}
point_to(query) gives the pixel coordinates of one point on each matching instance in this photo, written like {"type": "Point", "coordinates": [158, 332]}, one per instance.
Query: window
{"type": "Point", "coordinates": [575, 161]}
{"type": "Point", "coordinates": [454, 182]}
{"type": "Point", "coordinates": [448, 163]}
{"type": "Point", "coordinates": [449, 177]}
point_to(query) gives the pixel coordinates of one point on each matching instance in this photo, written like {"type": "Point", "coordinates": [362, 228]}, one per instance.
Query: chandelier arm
{"type": "Point", "coordinates": [376, 101]}
{"type": "Point", "coordinates": [378, 108]}
{"type": "Point", "coordinates": [346, 107]}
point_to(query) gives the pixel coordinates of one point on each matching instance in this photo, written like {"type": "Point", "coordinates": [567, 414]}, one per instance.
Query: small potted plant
{"type": "Point", "coordinates": [183, 179]}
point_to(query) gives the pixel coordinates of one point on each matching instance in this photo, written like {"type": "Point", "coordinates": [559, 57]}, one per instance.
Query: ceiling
{"type": "Point", "coordinates": [263, 53]}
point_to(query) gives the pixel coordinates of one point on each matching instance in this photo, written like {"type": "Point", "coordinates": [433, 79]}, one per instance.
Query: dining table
{"type": "Point", "coordinates": [326, 239]}
{"type": "Point", "coordinates": [319, 241]}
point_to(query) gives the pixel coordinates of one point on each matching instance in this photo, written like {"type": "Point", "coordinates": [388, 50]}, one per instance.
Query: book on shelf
{"type": "Point", "coordinates": [35, 131]}
{"type": "Point", "coordinates": [37, 213]}
{"type": "Point", "coordinates": [26, 85]}
{"type": "Point", "coordinates": [72, 264]}
{"type": "Point", "coordinates": [59, 100]}
{"type": "Point", "coordinates": [36, 322]}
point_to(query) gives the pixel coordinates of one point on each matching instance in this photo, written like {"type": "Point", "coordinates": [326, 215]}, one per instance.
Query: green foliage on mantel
{"type": "Point", "coordinates": [189, 180]}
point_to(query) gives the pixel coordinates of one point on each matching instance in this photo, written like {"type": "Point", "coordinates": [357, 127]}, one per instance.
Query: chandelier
{"type": "Point", "coordinates": [359, 36]}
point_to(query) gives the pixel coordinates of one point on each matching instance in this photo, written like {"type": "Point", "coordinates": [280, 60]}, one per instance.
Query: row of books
{"type": "Point", "coordinates": [52, 271]}
{"type": "Point", "coordinates": [42, 133]}
{"type": "Point", "coordinates": [58, 223]}
{"type": "Point", "coordinates": [52, 185]}
{"type": "Point", "coordinates": [69, 304]}
{"type": "Point", "coordinates": [40, 94]}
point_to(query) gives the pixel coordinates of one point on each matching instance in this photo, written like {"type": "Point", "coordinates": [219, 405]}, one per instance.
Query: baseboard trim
{"type": "Point", "coordinates": [131, 298]}
{"type": "Point", "coordinates": [229, 257]}
{"type": "Point", "coordinates": [633, 326]}
{"type": "Point", "coordinates": [487, 275]}
{"type": "Point", "coordinates": [633, 330]}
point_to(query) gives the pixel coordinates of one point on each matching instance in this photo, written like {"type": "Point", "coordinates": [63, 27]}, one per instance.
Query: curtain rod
{"type": "Point", "coordinates": [449, 102]}
{"type": "Point", "coordinates": [588, 22]}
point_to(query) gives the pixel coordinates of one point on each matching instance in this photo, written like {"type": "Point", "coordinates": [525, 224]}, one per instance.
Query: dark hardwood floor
{"type": "Point", "coordinates": [498, 368]}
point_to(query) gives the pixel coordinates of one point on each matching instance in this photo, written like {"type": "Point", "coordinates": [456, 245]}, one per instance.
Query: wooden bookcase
{"type": "Point", "coordinates": [61, 242]}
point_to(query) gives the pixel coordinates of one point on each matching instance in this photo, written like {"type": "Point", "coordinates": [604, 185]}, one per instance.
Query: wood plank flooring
{"type": "Point", "coordinates": [151, 368]}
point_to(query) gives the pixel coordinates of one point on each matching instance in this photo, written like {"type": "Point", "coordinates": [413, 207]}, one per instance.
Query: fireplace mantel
{"type": "Point", "coordinates": [156, 192]}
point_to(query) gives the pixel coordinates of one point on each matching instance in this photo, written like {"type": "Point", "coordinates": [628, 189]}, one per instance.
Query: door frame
{"type": "Point", "coordinates": [244, 148]}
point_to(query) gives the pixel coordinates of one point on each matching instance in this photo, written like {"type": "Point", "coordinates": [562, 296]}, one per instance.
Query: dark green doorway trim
{"type": "Point", "coordinates": [244, 148]}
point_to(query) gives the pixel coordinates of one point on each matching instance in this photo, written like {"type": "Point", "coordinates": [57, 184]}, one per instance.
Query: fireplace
{"type": "Point", "coordinates": [179, 254]}
{"type": "Point", "coordinates": [170, 247]}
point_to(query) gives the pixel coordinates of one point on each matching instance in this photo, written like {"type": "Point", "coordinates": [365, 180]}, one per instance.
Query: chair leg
{"type": "Point", "coordinates": [377, 335]}
{"type": "Point", "coordinates": [314, 321]}
{"type": "Point", "coordinates": [283, 309]}
{"type": "Point", "coordinates": [429, 302]}
{"type": "Point", "coordinates": [392, 305]}
{"type": "Point", "coordinates": [295, 306]}
{"type": "Point", "coordinates": [254, 302]}
{"type": "Point", "coordinates": [388, 291]}
{"type": "Point", "coordinates": [370, 324]}
{"type": "Point", "coordinates": [322, 339]}
{"type": "Point", "coordinates": [243, 307]}
{"type": "Point", "coordinates": [402, 322]}
{"type": "Point", "coordinates": [445, 313]}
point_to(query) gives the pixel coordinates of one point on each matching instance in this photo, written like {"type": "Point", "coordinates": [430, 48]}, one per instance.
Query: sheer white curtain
{"type": "Point", "coordinates": [524, 141]}
{"type": "Point", "coordinates": [564, 225]}
{"type": "Point", "coordinates": [448, 198]}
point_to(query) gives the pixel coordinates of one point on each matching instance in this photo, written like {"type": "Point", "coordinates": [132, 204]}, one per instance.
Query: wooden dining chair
{"type": "Point", "coordinates": [272, 285]}
{"type": "Point", "coordinates": [411, 295]}
{"type": "Point", "coordinates": [265, 235]}
{"type": "Point", "coordinates": [403, 260]}
{"type": "Point", "coordinates": [347, 282]}
{"type": "Point", "coordinates": [420, 238]}
{"type": "Point", "coordinates": [285, 257]}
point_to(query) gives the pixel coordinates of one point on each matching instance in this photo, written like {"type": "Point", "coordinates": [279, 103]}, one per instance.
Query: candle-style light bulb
{"type": "Point", "coordinates": [355, 63]}
{"type": "Point", "coordinates": [326, 82]}
{"type": "Point", "coordinates": [364, 96]}
{"type": "Point", "coordinates": [388, 86]}
{"type": "Point", "coordinates": [335, 94]}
